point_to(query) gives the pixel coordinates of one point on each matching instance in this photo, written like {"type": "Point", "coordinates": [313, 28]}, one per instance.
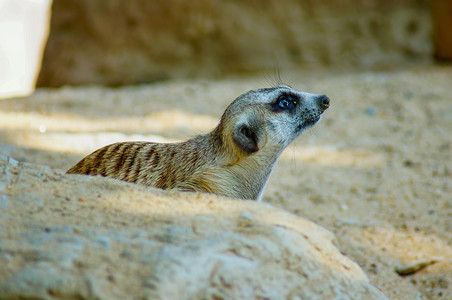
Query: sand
{"type": "Point", "coordinates": [376, 171]}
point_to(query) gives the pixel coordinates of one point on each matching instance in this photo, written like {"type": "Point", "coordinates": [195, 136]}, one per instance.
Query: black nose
{"type": "Point", "coordinates": [323, 102]}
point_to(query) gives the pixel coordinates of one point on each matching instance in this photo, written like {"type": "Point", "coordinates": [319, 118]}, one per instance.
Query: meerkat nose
{"type": "Point", "coordinates": [323, 102]}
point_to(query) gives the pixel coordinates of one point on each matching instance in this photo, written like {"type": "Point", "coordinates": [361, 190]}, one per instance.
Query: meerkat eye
{"type": "Point", "coordinates": [284, 103]}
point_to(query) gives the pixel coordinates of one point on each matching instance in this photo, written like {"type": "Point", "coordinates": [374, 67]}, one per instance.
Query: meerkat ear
{"type": "Point", "coordinates": [246, 136]}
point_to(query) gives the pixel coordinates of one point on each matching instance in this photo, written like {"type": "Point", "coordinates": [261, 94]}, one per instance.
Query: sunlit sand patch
{"type": "Point", "coordinates": [331, 156]}
{"type": "Point", "coordinates": [60, 132]}
{"type": "Point", "coordinates": [61, 122]}
{"type": "Point", "coordinates": [80, 143]}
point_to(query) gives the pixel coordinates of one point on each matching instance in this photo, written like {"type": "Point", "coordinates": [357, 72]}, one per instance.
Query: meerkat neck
{"type": "Point", "coordinates": [246, 174]}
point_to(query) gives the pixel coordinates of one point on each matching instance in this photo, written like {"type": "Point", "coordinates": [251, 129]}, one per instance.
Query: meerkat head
{"type": "Point", "coordinates": [271, 116]}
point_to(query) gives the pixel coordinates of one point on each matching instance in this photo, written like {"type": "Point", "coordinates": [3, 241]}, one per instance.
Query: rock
{"type": "Point", "coordinates": [90, 237]}
{"type": "Point", "coordinates": [130, 42]}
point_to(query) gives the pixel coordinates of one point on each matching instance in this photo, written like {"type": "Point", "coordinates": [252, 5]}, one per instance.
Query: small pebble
{"type": "Point", "coordinates": [371, 111]}
{"type": "Point", "coordinates": [316, 198]}
{"type": "Point", "coordinates": [245, 215]}
{"type": "Point", "coordinates": [42, 128]}
{"type": "Point", "coordinates": [103, 240]}
{"type": "Point", "coordinates": [13, 162]}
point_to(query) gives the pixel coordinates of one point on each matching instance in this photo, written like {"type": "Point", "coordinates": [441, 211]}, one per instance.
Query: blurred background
{"type": "Point", "coordinates": [113, 42]}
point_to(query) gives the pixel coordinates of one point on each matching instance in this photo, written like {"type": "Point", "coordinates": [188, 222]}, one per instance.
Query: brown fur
{"type": "Point", "coordinates": [234, 160]}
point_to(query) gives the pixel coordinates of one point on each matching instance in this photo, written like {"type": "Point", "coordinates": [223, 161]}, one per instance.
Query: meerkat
{"type": "Point", "coordinates": [235, 159]}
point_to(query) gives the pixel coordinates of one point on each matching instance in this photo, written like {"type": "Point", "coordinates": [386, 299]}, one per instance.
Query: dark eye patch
{"type": "Point", "coordinates": [285, 102]}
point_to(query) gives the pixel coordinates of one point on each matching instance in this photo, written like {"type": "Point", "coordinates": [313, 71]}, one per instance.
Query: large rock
{"type": "Point", "coordinates": [127, 42]}
{"type": "Point", "coordinates": [81, 237]}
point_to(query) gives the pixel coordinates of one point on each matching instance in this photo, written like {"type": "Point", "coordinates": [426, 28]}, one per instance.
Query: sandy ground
{"type": "Point", "coordinates": [377, 170]}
